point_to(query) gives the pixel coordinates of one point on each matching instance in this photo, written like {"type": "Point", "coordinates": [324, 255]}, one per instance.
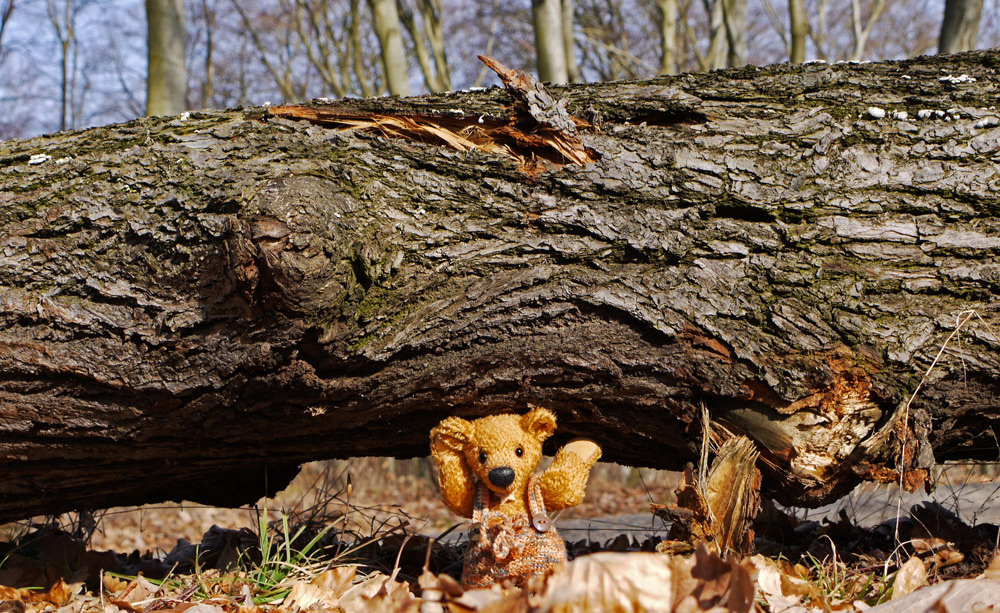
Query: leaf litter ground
{"type": "Point", "coordinates": [331, 545]}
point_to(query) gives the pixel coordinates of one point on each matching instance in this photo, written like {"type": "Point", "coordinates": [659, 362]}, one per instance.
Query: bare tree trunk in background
{"type": "Point", "coordinates": [569, 41]}
{"type": "Point", "coordinates": [64, 24]}
{"type": "Point", "coordinates": [282, 74]}
{"type": "Point", "coordinates": [328, 35]}
{"type": "Point", "coordinates": [6, 9]}
{"type": "Point", "coordinates": [313, 26]}
{"type": "Point", "coordinates": [735, 17]}
{"type": "Point", "coordinates": [166, 83]}
{"type": "Point", "coordinates": [715, 57]}
{"type": "Point", "coordinates": [818, 33]}
{"type": "Point", "coordinates": [550, 48]}
{"type": "Point", "coordinates": [960, 26]}
{"type": "Point", "coordinates": [427, 35]}
{"type": "Point", "coordinates": [385, 20]}
{"type": "Point", "coordinates": [798, 30]}
{"type": "Point", "coordinates": [490, 42]}
{"type": "Point", "coordinates": [208, 87]}
{"type": "Point", "coordinates": [605, 47]}
{"type": "Point", "coordinates": [355, 55]}
{"type": "Point", "coordinates": [667, 12]}
{"type": "Point", "coordinates": [862, 32]}
{"type": "Point", "coordinates": [433, 14]}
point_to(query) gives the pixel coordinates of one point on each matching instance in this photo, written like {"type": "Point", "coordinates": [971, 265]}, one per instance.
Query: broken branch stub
{"type": "Point", "coordinates": [541, 135]}
{"type": "Point", "coordinates": [720, 512]}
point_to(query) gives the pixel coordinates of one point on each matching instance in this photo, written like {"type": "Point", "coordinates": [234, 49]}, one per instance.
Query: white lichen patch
{"type": "Point", "coordinates": [64, 160]}
{"type": "Point", "coordinates": [876, 112]}
{"type": "Point", "coordinates": [957, 80]}
{"type": "Point", "coordinates": [924, 113]}
{"type": "Point", "coordinates": [39, 158]}
{"type": "Point", "coordinates": [901, 115]}
{"type": "Point", "coordinates": [986, 122]}
{"type": "Point", "coordinates": [811, 62]}
{"type": "Point", "coordinates": [185, 116]}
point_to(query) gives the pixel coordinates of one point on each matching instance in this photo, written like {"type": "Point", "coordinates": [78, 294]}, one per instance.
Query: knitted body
{"type": "Point", "coordinates": [511, 548]}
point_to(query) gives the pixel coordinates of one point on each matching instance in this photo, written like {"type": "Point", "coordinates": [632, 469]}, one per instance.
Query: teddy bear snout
{"type": "Point", "coordinates": [502, 477]}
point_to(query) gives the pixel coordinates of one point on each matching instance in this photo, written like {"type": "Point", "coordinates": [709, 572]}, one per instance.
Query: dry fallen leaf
{"type": "Point", "coordinates": [380, 593]}
{"type": "Point", "coordinates": [721, 583]}
{"type": "Point", "coordinates": [202, 607]}
{"type": "Point", "coordinates": [958, 595]}
{"type": "Point", "coordinates": [325, 588]}
{"type": "Point", "coordinates": [618, 582]}
{"type": "Point", "coordinates": [138, 590]}
{"type": "Point", "coordinates": [771, 581]}
{"type": "Point", "coordinates": [11, 606]}
{"type": "Point", "coordinates": [113, 584]}
{"type": "Point", "coordinates": [435, 589]}
{"type": "Point", "coordinates": [993, 570]}
{"type": "Point", "coordinates": [59, 594]}
{"type": "Point", "coordinates": [12, 593]}
{"type": "Point", "coordinates": [910, 577]}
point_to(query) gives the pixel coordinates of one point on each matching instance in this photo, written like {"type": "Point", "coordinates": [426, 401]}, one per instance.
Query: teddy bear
{"type": "Point", "coordinates": [486, 472]}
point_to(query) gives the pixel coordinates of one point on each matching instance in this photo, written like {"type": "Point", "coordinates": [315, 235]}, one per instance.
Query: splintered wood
{"type": "Point", "coordinates": [540, 134]}
{"type": "Point", "coordinates": [718, 512]}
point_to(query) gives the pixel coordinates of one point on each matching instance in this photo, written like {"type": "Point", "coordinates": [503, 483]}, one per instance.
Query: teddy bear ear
{"type": "Point", "coordinates": [540, 422]}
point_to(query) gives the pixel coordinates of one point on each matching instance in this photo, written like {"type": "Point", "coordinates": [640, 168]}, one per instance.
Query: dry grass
{"type": "Point", "coordinates": [381, 488]}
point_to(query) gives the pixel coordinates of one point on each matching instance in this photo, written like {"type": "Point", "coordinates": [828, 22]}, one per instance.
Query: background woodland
{"type": "Point", "coordinates": [67, 64]}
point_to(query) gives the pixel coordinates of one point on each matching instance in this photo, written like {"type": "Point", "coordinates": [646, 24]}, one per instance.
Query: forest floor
{"type": "Point", "coordinates": [333, 539]}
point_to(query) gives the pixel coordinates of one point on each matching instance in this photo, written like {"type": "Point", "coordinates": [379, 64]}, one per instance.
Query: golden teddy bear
{"type": "Point", "coordinates": [486, 473]}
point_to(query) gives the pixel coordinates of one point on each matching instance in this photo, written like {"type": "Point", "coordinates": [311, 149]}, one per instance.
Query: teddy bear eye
{"type": "Point", "coordinates": [519, 451]}
{"type": "Point", "coordinates": [482, 457]}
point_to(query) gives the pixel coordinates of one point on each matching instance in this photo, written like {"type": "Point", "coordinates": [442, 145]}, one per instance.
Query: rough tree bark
{"type": "Point", "coordinates": [190, 308]}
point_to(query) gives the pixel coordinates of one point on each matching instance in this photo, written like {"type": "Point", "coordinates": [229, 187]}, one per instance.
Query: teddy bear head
{"type": "Point", "coordinates": [503, 450]}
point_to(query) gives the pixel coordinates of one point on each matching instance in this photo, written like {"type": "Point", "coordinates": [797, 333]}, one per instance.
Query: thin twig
{"type": "Point", "coordinates": [962, 319]}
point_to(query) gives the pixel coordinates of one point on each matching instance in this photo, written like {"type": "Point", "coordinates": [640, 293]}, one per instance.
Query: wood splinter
{"type": "Point", "coordinates": [719, 510]}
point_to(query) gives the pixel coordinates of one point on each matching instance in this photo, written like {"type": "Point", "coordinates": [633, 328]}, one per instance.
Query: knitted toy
{"type": "Point", "coordinates": [486, 473]}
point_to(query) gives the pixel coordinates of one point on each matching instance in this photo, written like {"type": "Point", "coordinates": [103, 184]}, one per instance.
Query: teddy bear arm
{"type": "Point", "coordinates": [457, 484]}
{"type": "Point", "coordinates": [565, 482]}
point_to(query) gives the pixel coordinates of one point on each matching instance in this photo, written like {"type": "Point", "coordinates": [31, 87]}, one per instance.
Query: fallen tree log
{"type": "Point", "coordinates": [192, 306]}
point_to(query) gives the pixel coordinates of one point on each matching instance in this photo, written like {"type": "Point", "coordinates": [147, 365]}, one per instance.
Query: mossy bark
{"type": "Point", "coordinates": [190, 307]}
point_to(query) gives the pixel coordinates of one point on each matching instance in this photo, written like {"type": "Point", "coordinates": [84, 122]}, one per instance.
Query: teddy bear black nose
{"type": "Point", "coordinates": [502, 477]}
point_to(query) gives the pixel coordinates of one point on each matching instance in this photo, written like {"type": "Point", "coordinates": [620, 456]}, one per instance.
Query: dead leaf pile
{"type": "Point", "coordinates": [337, 589]}
{"type": "Point", "coordinates": [611, 581]}
{"type": "Point", "coordinates": [841, 568]}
